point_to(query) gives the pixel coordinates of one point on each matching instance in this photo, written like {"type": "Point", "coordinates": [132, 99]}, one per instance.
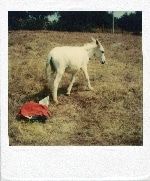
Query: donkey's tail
{"type": "Point", "coordinates": [47, 65]}
{"type": "Point", "coordinates": [50, 64]}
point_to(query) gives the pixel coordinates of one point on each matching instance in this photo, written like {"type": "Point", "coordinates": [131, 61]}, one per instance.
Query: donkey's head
{"type": "Point", "coordinates": [99, 51]}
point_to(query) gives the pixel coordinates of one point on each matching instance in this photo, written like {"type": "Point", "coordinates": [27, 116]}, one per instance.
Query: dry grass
{"type": "Point", "coordinates": [109, 115]}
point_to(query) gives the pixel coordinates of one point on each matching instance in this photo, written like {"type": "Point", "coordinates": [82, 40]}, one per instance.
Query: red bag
{"type": "Point", "coordinates": [34, 110]}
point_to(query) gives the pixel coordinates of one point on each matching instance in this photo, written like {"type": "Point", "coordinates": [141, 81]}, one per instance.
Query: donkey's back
{"type": "Point", "coordinates": [72, 57]}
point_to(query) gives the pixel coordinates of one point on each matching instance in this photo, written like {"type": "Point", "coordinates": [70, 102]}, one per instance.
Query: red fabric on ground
{"type": "Point", "coordinates": [32, 109]}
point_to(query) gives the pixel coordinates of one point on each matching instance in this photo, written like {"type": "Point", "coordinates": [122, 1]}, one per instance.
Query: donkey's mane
{"type": "Point", "coordinates": [89, 46]}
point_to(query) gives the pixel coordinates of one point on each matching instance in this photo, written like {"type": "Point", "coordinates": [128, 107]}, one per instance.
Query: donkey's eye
{"type": "Point", "coordinates": [102, 51]}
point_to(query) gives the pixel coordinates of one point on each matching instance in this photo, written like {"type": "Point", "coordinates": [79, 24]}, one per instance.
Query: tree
{"type": "Point", "coordinates": [72, 20]}
{"type": "Point", "coordinates": [29, 20]}
{"type": "Point", "coordinates": [131, 22]}
{"type": "Point", "coordinates": [83, 20]}
{"type": "Point", "coordinates": [15, 18]}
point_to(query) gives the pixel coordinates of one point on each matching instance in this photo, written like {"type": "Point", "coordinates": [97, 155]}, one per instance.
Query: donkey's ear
{"type": "Point", "coordinates": [98, 43]}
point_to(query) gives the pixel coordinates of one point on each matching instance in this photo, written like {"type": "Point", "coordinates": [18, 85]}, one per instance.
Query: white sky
{"type": "Point", "coordinates": [120, 13]}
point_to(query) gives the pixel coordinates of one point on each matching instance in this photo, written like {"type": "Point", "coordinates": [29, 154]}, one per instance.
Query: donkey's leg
{"type": "Point", "coordinates": [71, 83]}
{"type": "Point", "coordinates": [55, 88]}
{"type": "Point", "coordinates": [87, 77]}
{"type": "Point", "coordinates": [50, 77]}
{"type": "Point", "coordinates": [50, 81]}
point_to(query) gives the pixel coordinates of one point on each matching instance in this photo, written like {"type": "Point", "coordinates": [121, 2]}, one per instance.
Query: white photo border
{"type": "Point", "coordinates": [74, 162]}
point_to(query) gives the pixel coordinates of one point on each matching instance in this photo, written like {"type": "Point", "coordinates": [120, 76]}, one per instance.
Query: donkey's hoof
{"type": "Point", "coordinates": [91, 88]}
{"type": "Point", "coordinates": [67, 94]}
{"type": "Point", "coordinates": [56, 102]}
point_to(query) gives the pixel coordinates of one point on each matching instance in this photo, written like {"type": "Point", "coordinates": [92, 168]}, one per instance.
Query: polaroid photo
{"type": "Point", "coordinates": [75, 90]}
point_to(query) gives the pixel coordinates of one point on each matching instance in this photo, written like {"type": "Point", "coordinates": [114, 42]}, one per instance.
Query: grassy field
{"type": "Point", "coordinates": [109, 115]}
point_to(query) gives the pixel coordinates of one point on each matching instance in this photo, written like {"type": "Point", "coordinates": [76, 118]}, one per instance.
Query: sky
{"type": "Point", "coordinates": [118, 14]}
{"type": "Point", "coordinates": [52, 17]}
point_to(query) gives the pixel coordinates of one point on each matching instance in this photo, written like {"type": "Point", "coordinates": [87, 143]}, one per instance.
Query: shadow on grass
{"type": "Point", "coordinates": [38, 96]}
{"type": "Point", "coordinates": [44, 93]}
{"type": "Point", "coordinates": [26, 120]}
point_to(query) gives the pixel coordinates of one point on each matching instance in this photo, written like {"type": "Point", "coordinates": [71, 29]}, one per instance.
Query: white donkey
{"type": "Point", "coordinates": [72, 59]}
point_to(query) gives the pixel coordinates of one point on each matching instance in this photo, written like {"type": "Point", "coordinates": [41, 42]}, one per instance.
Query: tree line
{"type": "Point", "coordinates": [72, 20]}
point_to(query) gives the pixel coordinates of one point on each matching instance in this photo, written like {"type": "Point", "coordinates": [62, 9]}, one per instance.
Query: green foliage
{"type": "Point", "coordinates": [82, 20]}
{"type": "Point", "coordinates": [131, 22]}
{"type": "Point", "coordinates": [27, 20]}
{"type": "Point", "coordinates": [72, 20]}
